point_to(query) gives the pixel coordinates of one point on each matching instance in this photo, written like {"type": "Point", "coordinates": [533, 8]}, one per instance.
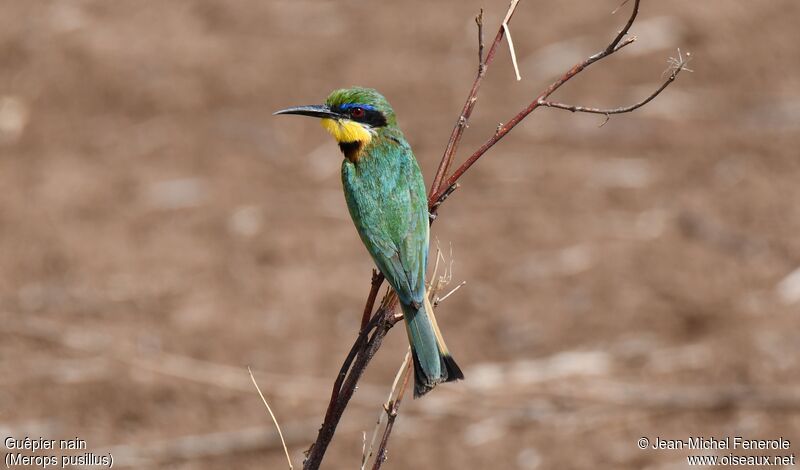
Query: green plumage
{"type": "Point", "coordinates": [385, 193]}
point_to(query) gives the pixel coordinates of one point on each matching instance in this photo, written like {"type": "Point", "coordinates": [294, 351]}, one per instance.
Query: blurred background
{"type": "Point", "coordinates": [160, 230]}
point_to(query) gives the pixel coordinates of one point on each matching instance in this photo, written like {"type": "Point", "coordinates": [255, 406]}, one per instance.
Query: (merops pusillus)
{"type": "Point", "coordinates": [385, 194]}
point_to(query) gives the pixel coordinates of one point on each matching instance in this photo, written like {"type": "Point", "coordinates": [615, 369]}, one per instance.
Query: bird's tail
{"type": "Point", "coordinates": [432, 361]}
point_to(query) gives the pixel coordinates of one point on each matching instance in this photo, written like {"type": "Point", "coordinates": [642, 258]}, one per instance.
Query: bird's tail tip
{"type": "Point", "coordinates": [438, 365]}
{"type": "Point", "coordinates": [424, 384]}
{"type": "Point", "coordinates": [453, 371]}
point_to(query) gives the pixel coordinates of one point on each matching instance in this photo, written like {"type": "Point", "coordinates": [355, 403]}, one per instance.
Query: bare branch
{"type": "Point", "coordinates": [403, 367]}
{"type": "Point", "coordinates": [361, 353]}
{"type": "Point", "coordinates": [433, 208]}
{"type": "Point", "coordinates": [634, 13]}
{"type": "Point", "coordinates": [391, 413]}
{"type": "Point", "coordinates": [377, 280]}
{"type": "Point", "coordinates": [615, 45]}
{"type": "Point", "coordinates": [469, 105]}
{"type": "Point", "coordinates": [479, 22]}
{"type": "Point", "coordinates": [675, 69]}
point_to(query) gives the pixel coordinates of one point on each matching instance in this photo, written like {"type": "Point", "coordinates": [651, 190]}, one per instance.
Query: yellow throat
{"type": "Point", "coordinates": [344, 130]}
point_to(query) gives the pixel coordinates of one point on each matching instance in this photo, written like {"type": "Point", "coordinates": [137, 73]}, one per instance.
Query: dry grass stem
{"type": "Point", "coordinates": [452, 291]}
{"type": "Point", "coordinates": [513, 53]}
{"type": "Point", "coordinates": [366, 455]}
{"type": "Point", "coordinates": [391, 409]}
{"type": "Point", "coordinates": [274, 420]}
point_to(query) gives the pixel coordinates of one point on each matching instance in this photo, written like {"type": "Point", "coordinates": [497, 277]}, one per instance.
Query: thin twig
{"type": "Point", "coordinates": [330, 421]}
{"type": "Point", "coordinates": [469, 105]}
{"type": "Point", "coordinates": [479, 22]}
{"type": "Point", "coordinates": [366, 454]}
{"type": "Point", "coordinates": [391, 416]}
{"type": "Point", "coordinates": [676, 69]}
{"type": "Point", "coordinates": [274, 420]}
{"type": "Point", "coordinates": [434, 206]}
{"type": "Point", "coordinates": [615, 45]}
{"type": "Point", "coordinates": [361, 353]}
{"type": "Point", "coordinates": [435, 284]}
{"type": "Point", "coordinates": [377, 280]}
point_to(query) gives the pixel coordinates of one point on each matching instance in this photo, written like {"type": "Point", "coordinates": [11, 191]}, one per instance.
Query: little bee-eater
{"type": "Point", "coordinates": [385, 194]}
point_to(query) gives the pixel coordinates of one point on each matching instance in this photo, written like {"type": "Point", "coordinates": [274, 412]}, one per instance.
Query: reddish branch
{"type": "Point", "coordinates": [677, 67]}
{"type": "Point", "coordinates": [616, 44]}
{"type": "Point", "coordinates": [377, 280]}
{"type": "Point", "coordinates": [374, 329]}
{"type": "Point", "coordinates": [469, 104]}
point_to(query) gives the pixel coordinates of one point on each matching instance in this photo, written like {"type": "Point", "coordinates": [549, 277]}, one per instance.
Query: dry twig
{"type": "Point", "coordinates": [615, 45]}
{"type": "Point", "coordinates": [391, 415]}
{"type": "Point", "coordinates": [676, 66]}
{"type": "Point", "coordinates": [404, 366]}
{"type": "Point", "coordinates": [391, 407]}
{"type": "Point", "coordinates": [469, 104]}
{"type": "Point", "coordinates": [377, 280]}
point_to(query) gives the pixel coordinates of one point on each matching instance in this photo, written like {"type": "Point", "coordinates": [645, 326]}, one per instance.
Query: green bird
{"type": "Point", "coordinates": [385, 194]}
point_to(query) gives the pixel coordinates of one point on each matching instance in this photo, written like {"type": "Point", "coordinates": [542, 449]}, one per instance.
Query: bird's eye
{"type": "Point", "coordinates": [358, 113]}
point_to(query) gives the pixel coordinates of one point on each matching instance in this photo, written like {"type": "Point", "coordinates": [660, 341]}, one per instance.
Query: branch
{"type": "Point", "coordinates": [390, 408]}
{"type": "Point", "coordinates": [434, 206]}
{"type": "Point", "coordinates": [677, 67]}
{"type": "Point", "coordinates": [367, 452]}
{"type": "Point", "coordinates": [479, 22]}
{"type": "Point", "coordinates": [360, 355]}
{"type": "Point", "coordinates": [331, 420]}
{"type": "Point", "coordinates": [377, 280]}
{"type": "Point", "coordinates": [391, 416]}
{"type": "Point", "coordinates": [615, 45]}
{"type": "Point", "coordinates": [472, 98]}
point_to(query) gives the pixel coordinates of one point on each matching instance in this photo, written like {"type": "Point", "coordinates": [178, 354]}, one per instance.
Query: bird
{"type": "Point", "coordinates": [385, 194]}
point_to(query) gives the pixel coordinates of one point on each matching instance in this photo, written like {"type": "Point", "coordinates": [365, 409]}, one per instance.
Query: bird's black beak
{"type": "Point", "coordinates": [314, 110]}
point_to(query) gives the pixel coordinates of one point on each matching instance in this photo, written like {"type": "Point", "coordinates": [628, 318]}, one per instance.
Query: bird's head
{"type": "Point", "coordinates": [353, 116]}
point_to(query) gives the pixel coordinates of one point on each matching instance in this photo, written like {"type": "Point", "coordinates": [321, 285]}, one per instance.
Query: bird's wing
{"type": "Point", "coordinates": [414, 244]}
{"type": "Point", "coordinates": [405, 251]}
{"type": "Point", "coordinates": [390, 211]}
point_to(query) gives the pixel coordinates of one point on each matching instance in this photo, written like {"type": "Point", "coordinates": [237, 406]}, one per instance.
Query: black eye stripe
{"type": "Point", "coordinates": [373, 117]}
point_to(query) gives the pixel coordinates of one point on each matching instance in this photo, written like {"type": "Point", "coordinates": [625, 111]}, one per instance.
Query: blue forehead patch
{"type": "Point", "coordinates": [357, 105]}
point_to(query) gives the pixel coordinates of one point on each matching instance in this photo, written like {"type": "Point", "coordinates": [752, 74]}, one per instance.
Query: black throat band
{"type": "Point", "coordinates": [351, 150]}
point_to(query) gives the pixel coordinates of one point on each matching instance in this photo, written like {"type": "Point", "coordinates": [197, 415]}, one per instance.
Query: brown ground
{"type": "Point", "coordinates": [160, 231]}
